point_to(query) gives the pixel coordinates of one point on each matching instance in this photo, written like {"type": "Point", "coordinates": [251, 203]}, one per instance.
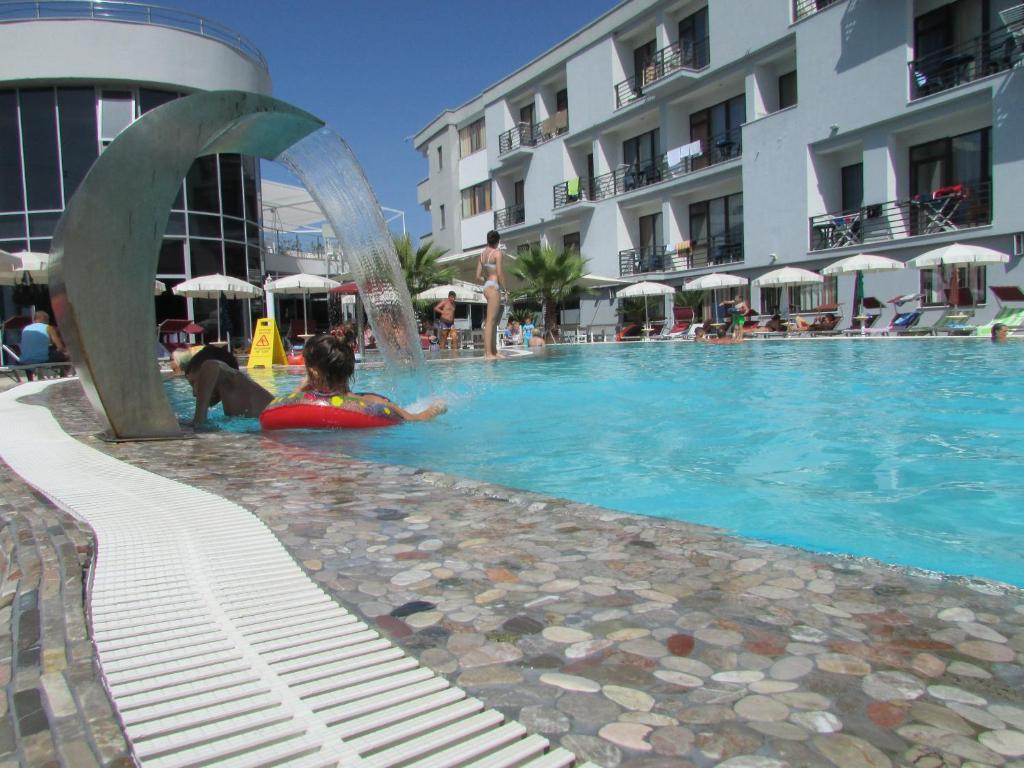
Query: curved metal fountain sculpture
{"type": "Point", "coordinates": [105, 249]}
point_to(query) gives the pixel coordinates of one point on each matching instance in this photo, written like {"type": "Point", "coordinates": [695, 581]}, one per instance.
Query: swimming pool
{"type": "Point", "coordinates": [908, 451]}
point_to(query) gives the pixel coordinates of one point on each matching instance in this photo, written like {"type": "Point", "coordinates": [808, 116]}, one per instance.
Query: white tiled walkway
{"type": "Point", "coordinates": [218, 649]}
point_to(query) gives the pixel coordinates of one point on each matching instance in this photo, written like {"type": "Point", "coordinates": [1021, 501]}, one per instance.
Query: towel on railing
{"type": "Point", "coordinates": [683, 246]}
{"type": "Point", "coordinates": [572, 187]}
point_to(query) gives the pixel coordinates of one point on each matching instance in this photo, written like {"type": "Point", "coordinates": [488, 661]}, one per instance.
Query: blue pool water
{"type": "Point", "coordinates": [908, 451]}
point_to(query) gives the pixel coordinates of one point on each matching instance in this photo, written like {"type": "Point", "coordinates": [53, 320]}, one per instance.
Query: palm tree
{"type": "Point", "coordinates": [549, 277]}
{"type": "Point", "coordinates": [419, 265]}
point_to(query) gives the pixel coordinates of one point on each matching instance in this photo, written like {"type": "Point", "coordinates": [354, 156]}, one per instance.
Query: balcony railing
{"type": "Point", "coordinates": [662, 258]}
{"type": "Point", "coordinates": [949, 209]}
{"type": "Point", "coordinates": [527, 135]}
{"type": "Point", "coordinates": [129, 13]}
{"type": "Point", "coordinates": [805, 8]}
{"type": "Point", "coordinates": [724, 146]}
{"type": "Point", "coordinates": [693, 56]}
{"type": "Point", "coordinates": [965, 62]}
{"type": "Point", "coordinates": [509, 217]}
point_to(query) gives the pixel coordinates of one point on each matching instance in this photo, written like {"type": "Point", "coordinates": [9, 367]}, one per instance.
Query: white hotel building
{"type": "Point", "coordinates": [672, 138]}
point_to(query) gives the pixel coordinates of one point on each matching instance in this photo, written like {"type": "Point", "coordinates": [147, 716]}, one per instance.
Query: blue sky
{"type": "Point", "coordinates": [379, 71]}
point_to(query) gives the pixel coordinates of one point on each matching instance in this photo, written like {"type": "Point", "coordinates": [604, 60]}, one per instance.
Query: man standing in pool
{"type": "Point", "coordinates": [215, 378]}
{"type": "Point", "coordinates": [445, 309]}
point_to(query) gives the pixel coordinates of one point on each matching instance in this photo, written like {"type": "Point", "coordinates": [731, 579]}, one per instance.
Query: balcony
{"type": "Point", "coordinates": [988, 54]}
{"type": "Point", "coordinates": [691, 56]}
{"type": "Point", "coordinates": [720, 148]}
{"type": "Point", "coordinates": [717, 251]}
{"type": "Point", "coordinates": [509, 217]}
{"type": "Point", "coordinates": [804, 8]}
{"type": "Point", "coordinates": [527, 135]}
{"type": "Point", "coordinates": [948, 209]}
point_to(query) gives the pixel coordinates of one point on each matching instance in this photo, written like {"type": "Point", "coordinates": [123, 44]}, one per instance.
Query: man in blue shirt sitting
{"type": "Point", "coordinates": [37, 340]}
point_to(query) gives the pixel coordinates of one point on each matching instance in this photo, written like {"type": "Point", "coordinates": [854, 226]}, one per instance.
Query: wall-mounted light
{"type": "Point", "coordinates": [834, 128]}
{"type": "Point", "coordinates": [772, 258]}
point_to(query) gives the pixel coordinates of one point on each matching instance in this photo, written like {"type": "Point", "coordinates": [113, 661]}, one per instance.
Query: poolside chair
{"type": "Point", "coordinates": [1011, 317]}
{"type": "Point", "coordinates": [900, 322]}
{"type": "Point", "coordinates": [926, 328]}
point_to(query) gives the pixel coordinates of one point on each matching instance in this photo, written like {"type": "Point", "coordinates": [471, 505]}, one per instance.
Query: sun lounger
{"type": "Point", "coordinates": [1011, 317]}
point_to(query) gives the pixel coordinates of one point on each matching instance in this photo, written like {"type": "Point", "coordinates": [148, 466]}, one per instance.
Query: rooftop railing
{"type": "Point", "coordinates": [948, 209]}
{"type": "Point", "coordinates": [509, 217]}
{"type": "Point", "coordinates": [946, 68]}
{"type": "Point", "coordinates": [693, 56]}
{"type": "Point", "coordinates": [724, 146]}
{"type": "Point", "coordinates": [129, 13]}
{"type": "Point", "coordinates": [804, 8]}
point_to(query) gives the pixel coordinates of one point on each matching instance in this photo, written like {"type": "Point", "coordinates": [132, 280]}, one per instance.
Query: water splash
{"type": "Point", "coordinates": [334, 178]}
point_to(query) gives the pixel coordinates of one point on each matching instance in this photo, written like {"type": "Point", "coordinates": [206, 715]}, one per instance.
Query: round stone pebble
{"type": "Point", "coordinates": [1008, 743]}
{"type": "Point", "coordinates": [671, 741]}
{"type": "Point", "coordinates": [627, 735]}
{"type": "Point", "coordinates": [761, 709]}
{"type": "Point", "coordinates": [544, 720]}
{"type": "Point", "coordinates": [817, 722]}
{"type": "Point", "coordinates": [1010, 715]}
{"type": "Point", "coordinates": [681, 679]}
{"type": "Point", "coordinates": [629, 698]}
{"type": "Point", "coordinates": [628, 633]}
{"type": "Point", "coordinates": [842, 664]}
{"type": "Point", "coordinates": [952, 693]}
{"type": "Point", "coordinates": [987, 651]}
{"type": "Point", "coordinates": [772, 686]}
{"type": "Point", "coordinates": [570, 682]}
{"type": "Point", "coordinates": [753, 761]}
{"type": "Point", "coordinates": [689, 666]}
{"type": "Point", "coordinates": [790, 668]}
{"type": "Point", "coordinates": [565, 635]}
{"type": "Point", "coordinates": [742, 676]}
{"type": "Point", "coordinates": [721, 637]}
{"type": "Point", "coordinates": [957, 614]}
{"type": "Point", "coordinates": [889, 685]}
{"type": "Point", "coordinates": [850, 752]}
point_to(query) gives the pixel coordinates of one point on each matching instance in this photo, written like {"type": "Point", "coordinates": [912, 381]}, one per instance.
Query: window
{"type": "Point", "coordinates": [472, 138]}
{"type": "Point", "coordinates": [519, 193]}
{"type": "Point", "coordinates": [571, 242]}
{"type": "Point", "coordinates": [476, 199]}
{"type": "Point", "coordinates": [693, 40]}
{"type": "Point", "coordinates": [717, 128]}
{"type": "Point", "coordinates": [716, 230]}
{"type": "Point", "coordinates": [651, 239]}
{"type": "Point", "coordinates": [643, 62]}
{"type": "Point", "coordinates": [641, 151]}
{"type": "Point", "coordinates": [562, 100]}
{"type": "Point", "coordinates": [440, 213]}
{"type": "Point", "coordinates": [963, 159]}
{"type": "Point", "coordinates": [807, 298]}
{"type": "Point", "coordinates": [440, 158]}
{"type": "Point", "coordinates": [853, 186]}
{"type": "Point", "coordinates": [10, 156]}
{"type": "Point", "coordinates": [42, 160]}
{"type": "Point", "coordinates": [117, 110]}
{"type": "Point", "coordinates": [526, 114]}
{"type": "Point", "coordinates": [78, 146]}
{"type": "Point", "coordinates": [957, 286]}
{"type": "Point", "coordinates": [771, 300]}
{"type": "Point", "coordinates": [787, 90]}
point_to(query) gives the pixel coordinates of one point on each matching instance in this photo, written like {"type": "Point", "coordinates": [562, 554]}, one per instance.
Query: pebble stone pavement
{"type": "Point", "coordinates": [635, 642]}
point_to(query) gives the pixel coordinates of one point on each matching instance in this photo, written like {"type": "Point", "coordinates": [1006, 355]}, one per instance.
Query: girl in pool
{"type": "Point", "coordinates": [488, 269]}
{"type": "Point", "coordinates": [330, 364]}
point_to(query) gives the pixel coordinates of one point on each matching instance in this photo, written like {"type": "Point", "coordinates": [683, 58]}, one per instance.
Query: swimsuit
{"type": "Point", "coordinates": [446, 325]}
{"type": "Point", "coordinates": [490, 282]}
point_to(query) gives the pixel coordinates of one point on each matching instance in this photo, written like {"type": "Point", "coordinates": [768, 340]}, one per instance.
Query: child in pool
{"type": "Point", "coordinates": [330, 364]}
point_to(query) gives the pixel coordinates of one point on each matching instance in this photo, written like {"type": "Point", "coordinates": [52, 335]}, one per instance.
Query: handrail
{"type": "Point", "coordinates": [960, 206]}
{"type": "Point", "coordinates": [804, 8]}
{"type": "Point", "coordinates": [530, 135]}
{"type": "Point", "coordinates": [129, 13]}
{"type": "Point", "coordinates": [693, 56]}
{"type": "Point", "coordinates": [717, 250]}
{"type": "Point", "coordinates": [727, 145]}
{"type": "Point", "coordinates": [988, 54]}
{"type": "Point", "coordinates": [509, 217]}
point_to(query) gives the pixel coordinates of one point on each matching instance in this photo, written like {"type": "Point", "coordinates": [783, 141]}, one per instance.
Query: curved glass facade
{"type": "Point", "coordinates": [50, 137]}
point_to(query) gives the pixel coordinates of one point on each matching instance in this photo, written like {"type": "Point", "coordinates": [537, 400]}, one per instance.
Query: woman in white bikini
{"type": "Point", "coordinates": [488, 269]}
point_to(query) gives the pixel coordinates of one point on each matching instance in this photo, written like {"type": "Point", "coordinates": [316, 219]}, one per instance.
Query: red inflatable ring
{"type": "Point", "coordinates": [309, 410]}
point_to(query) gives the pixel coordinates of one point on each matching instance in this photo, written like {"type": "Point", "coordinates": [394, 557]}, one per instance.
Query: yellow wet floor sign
{"type": "Point", "coordinates": [267, 349]}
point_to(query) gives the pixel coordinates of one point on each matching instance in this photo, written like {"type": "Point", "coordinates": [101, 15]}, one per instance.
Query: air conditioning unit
{"type": "Point", "coordinates": [1018, 244]}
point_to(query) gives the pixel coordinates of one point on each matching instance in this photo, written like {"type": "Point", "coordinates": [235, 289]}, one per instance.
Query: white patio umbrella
{"type": "Point", "coordinates": [213, 287]}
{"type": "Point", "coordinates": [599, 281]}
{"type": "Point", "coordinates": [786, 276]}
{"type": "Point", "coordinates": [463, 292]}
{"type": "Point", "coordinates": [956, 255]}
{"type": "Point", "coordinates": [714, 281]}
{"type": "Point", "coordinates": [302, 284]}
{"type": "Point", "coordinates": [859, 264]}
{"type": "Point", "coordinates": [645, 288]}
